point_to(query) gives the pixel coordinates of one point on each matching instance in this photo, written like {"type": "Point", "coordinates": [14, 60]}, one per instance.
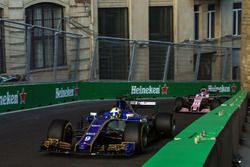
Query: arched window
{"type": "Point", "coordinates": [45, 15]}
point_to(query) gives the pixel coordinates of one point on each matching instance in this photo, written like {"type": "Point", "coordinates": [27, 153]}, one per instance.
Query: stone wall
{"type": "Point", "coordinates": [245, 54]}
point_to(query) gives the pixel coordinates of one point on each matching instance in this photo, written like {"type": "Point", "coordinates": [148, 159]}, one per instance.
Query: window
{"type": "Point", "coordinates": [161, 23]}
{"type": "Point", "coordinates": [113, 22]}
{"type": "Point", "coordinates": [211, 21]}
{"type": "Point", "coordinates": [236, 64]}
{"type": "Point", "coordinates": [205, 66]}
{"type": "Point", "coordinates": [2, 48]}
{"type": "Point", "coordinates": [45, 15]}
{"type": "Point", "coordinates": [237, 19]}
{"type": "Point", "coordinates": [113, 54]}
{"type": "Point", "coordinates": [196, 22]}
{"type": "Point", "coordinates": [160, 29]}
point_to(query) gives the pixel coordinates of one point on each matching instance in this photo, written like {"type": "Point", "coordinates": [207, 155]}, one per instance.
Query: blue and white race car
{"type": "Point", "coordinates": [119, 131]}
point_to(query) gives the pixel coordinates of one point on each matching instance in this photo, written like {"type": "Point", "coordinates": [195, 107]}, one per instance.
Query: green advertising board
{"type": "Point", "coordinates": [15, 97]}
{"type": "Point", "coordinates": [110, 90]}
{"type": "Point", "coordinates": [23, 96]}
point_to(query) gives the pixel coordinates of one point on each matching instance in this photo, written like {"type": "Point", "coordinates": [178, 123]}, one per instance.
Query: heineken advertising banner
{"type": "Point", "coordinates": [106, 90]}
{"type": "Point", "coordinates": [15, 97]}
{"type": "Point", "coordinates": [29, 96]}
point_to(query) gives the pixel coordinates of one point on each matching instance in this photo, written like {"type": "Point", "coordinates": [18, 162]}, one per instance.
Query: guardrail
{"type": "Point", "coordinates": [24, 96]}
{"type": "Point", "coordinates": [210, 141]}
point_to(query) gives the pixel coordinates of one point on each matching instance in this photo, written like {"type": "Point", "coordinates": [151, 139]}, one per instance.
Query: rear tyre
{"type": "Point", "coordinates": [165, 124]}
{"type": "Point", "coordinates": [136, 132]}
{"type": "Point", "coordinates": [60, 129]}
{"type": "Point", "coordinates": [179, 102]}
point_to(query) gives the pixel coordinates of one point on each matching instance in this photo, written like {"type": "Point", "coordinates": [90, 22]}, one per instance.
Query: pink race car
{"type": "Point", "coordinates": [200, 103]}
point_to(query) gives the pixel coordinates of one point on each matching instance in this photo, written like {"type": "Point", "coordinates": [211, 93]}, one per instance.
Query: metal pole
{"type": "Point", "coordinates": [224, 69]}
{"type": "Point", "coordinates": [28, 51]}
{"type": "Point", "coordinates": [77, 58]}
{"type": "Point", "coordinates": [197, 64]}
{"type": "Point", "coordinates": [132, 61]}
{"type": "Point", "coordinates": [165, 72]}
{"type": "Point", "coordinates": [56, 47]}
{"type": "Point", "coordinates": [45, 28]}
{"type": "Point", "coordinates": [93, 64]}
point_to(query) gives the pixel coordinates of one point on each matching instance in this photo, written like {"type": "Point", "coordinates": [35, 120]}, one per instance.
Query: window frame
{"type": "Point", "coordinates": [114, 57]}
{"type": "Point", "coordinates": [161, 28]}
{"type": "Point", "coordinates": [236, 64]}
{"type": "Point", "coordinates": [45, 60]}
{"type": "Point", "coordinates": [211, 21]}
{"type": "Point", "coordinates": [237, 13]}
{"type": "Point", "coordinates": [196, 22]}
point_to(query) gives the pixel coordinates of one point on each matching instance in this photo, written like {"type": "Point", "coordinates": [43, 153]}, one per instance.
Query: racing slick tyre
{"type": "Point", "coordinates": [179, 102]}
{"type": "Point", "coordinates": [215, 103]}
{"type": "Point", "coordinates": [136, 132]}
{"type": "Point", "coordinates": [60, 129]}
{"type": "Point", "coordinates": [165, 124]}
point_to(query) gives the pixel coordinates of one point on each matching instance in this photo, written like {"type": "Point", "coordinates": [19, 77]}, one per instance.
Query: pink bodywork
{"type": "Point", "coordinates": [195, 108]}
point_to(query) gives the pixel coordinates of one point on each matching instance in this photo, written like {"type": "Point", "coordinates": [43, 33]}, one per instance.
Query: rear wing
{"type": "Point", "coordinates": [142, 103]}
{"type": "Point", "coordinates": [145, 108]}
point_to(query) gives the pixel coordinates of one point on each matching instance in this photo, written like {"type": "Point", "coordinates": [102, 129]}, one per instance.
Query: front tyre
{"type": "Point", "coordinates": [136, 132]}
{"type": "Point", "coordinates": [165, 124]}
{"type": "Point", "coordinates": [60, 129]}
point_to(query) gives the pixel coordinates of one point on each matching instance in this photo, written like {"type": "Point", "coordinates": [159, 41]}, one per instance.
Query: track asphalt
{"type": "Point", "coordinates": [21, 134]}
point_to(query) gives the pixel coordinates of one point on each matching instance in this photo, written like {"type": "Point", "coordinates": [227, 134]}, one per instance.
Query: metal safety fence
{"type": "Point", "coordinates": [135, 60]}
{"type": "Point", "coordinates": [31, 53]}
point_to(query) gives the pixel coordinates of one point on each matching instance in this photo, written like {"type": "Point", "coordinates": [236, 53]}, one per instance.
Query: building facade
{"type": "Point", "coordinates": [61, 15]}
{"type": "Point", "coordinates": [245, 56]}
{"type": "Point", "coordinates": [215, 23]}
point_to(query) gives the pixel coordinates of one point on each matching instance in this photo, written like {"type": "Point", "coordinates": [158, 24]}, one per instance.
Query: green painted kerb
{"type": "Point", "coordinates": [192, 146]}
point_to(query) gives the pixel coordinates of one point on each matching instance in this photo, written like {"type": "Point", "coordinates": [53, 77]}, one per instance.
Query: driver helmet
{"type": "Point", "coordinates": [115, 112]}
{"type": "Point", "coordinates": [204, 92]}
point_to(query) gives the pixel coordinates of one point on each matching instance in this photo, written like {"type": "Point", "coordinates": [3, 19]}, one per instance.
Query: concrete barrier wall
{"type": "Point", "coordinates": [210, 141]}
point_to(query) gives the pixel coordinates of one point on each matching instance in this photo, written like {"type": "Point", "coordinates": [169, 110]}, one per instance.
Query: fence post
{"type": "Point", "coordinates": [165, 72]}
{"type": "Point", "coordinates": [56, 42]}
{"type": "Point", "coordinates": [93, 63]}
{"type": "Point", "coordinates": [77, 58]}
{"type": "Point", "coordinates": [224, 69]}
{"type": "Point", "coordinates": [197, 64]}
{"type": "Point", "coordinates": [28, 51]}
{"type": "Point", "coordinates": [132, 61]}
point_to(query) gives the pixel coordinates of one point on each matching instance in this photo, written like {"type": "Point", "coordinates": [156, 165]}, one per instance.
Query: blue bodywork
{"type": "Point", "coordinates": [104, 134]}
{"type": "Point", "coordinates": [97, 123]}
